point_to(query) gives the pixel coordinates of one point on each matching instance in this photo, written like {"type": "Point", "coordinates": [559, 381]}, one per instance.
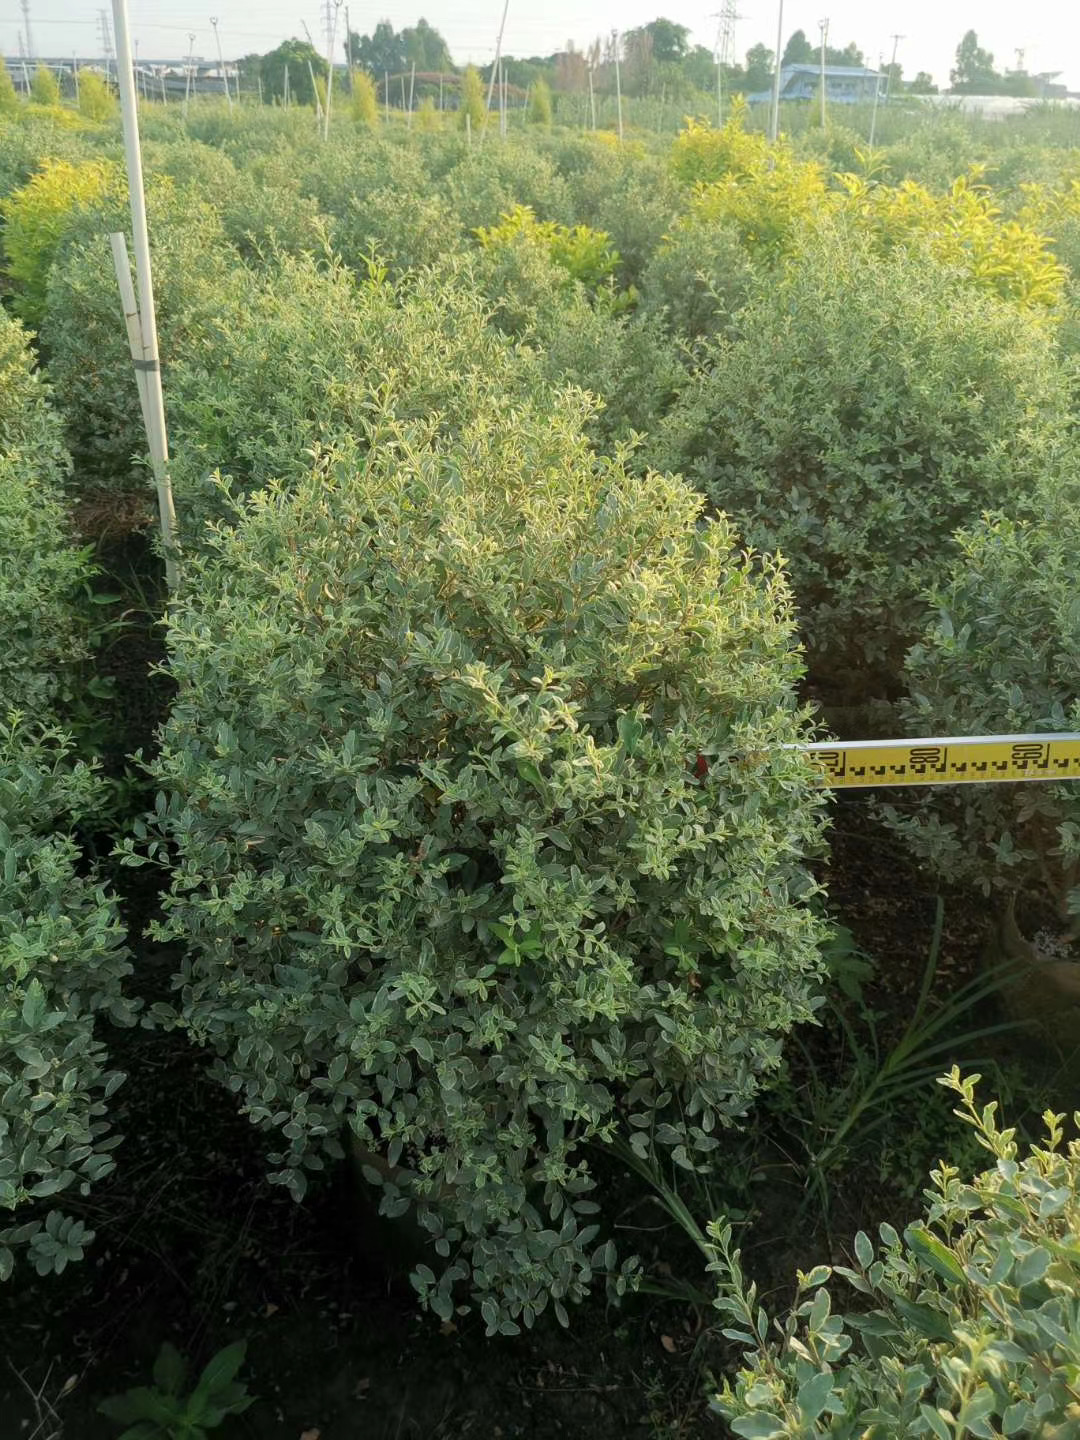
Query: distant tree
{"type": "Point", "coordinates": [759, 68]}
{"type": "Point", "coordinates": [364, 100]}
{"type": "Point", "coordinates": [295, 54]}
{"type": "Point", "coordinates": [699, 69]}
{"type": "Point", "coordinates": [923, 84]}
{"type": "Point", "coordinates": [9, 100]}
{"type": "Point", "coordinates": [96, 100]}
{"type": "Point", "coordinates": [895, 77]}
{"type": "Point", "coordinates": [669, 41]}
{"type": "Point", "coordinates": [44, 89]}
{"type": "Point", "coordinates": [851, 56]}
{"type": "Point", "coordinates": [540, 103]}
{"type": "Point", "coordinates": [798, 50]}
{"type": "Point", "coordinates": [387, 51]}
{"type": "Point", "coordinates": [383, 51]}
{"type": "Point", "coordinates": [974, 71]}
{"type": "Point", "coordinates": [425, 47]}
{"type": "Point", "coordinates": [473, 104]}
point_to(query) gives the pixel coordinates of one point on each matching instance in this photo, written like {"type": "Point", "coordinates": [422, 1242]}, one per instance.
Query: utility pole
{"type": "Point", "coordinates": [333, 8]}
{"type": "Point", "coordinates": [495, 68]}
{"type": "Point", "coordinates": [190, 69]}
{"type": "Point", "coordinates": [823, 26]}
{"type": "Point", "coordinates": [774, 117]}
{"type": "Point", "coordinates": [221, 62]}
{"type": "Point", "coordinates": [618, 83]}
{"type": "Point", "coordinates": [877, 92]}
{"type": "Point", "coordinates": [592, 101]}
{"type": "Point", "coordinates": [892, 63]}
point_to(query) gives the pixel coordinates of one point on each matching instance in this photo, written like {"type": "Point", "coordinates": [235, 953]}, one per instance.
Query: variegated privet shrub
{"type": "Point", "coordinates": [860, 410]}
{"type": "Point", "coordinates": [485, 841]}
{"type": "Point", "coordinates": [1001, 655]}
{"type": "Point", "coordinates": [346, 350]}
{"type": "Point", "coordinates": [61, 945]}
{"type": "Point", "coordinates": [970, 1321]}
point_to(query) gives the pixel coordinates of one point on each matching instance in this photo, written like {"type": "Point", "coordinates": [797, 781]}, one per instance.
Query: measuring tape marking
{"type": "Point", "coordinates": [951, 760]}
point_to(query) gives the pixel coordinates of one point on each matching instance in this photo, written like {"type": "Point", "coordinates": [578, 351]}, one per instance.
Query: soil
{"type": "Point", "coordinates": [194, 1246]}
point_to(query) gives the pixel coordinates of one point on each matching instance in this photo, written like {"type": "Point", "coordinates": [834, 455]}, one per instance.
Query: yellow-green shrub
{"type": "Point", "coordinates": [963, 229]}
{"type": "Point", "coordinates": [762, 191]}
{"type": "Point", "coordinates": [96, 100]}
{"type": "Point", "coordinates": [586, 254]}
{"type": "Point", "coordinates": [39, 215]}
{"type": "Point", "coordinates": [44, 89]}
{"type": "Point", "coordinates": [363, 101]}
{"type": "Point", "coordinates": [9, 101]}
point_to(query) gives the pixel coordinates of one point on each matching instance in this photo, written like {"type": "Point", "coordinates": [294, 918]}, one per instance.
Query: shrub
{"type": "Point", "coordinates": [490, 181]}
{"type": "Point", "coordinates": [862, 409]}
{"type": "Point", "coordinates": [486, 839]}
{"type": "Point", "coordinates": [61, 945]}
{"type": "Point", "coordinates": [363, 100]}
{"type": "Point", "coordinates": [623, 191]}
{"type": "Point", "coordinates": [582, 339]}
{"type": "Point", "coordinates": [473, 110]}
{"type": "Point", "coordinates": [427, 118]}
{"type": "Point", "coordinates": [344, 352]}
{"type": "Point", "coordinates": [703, 154]}
{"type": "Point", "coordinates": [540, 102]}
{"type": "Point", "coordinates": [9, 100]}
{"type": "Point", "coordinates": [700, 276]}
{"type": "Point", "coordinates": [96, 100]}
{"type": "Point", "coordinates": [584, 254]}
{"type": "Point", "coordinates": [966, 1324]}
{"type": "Point", "coordinates": [964, 230]}
{"type": "Point", "coordinates": [40, 573]}
{"type": "Point", "coordinates": [85, 341]}
{"type": "Point", "coordinates": [1001, 655]}
{"type": "Point", "coordinates": [38, 217]}
{"type": "Point", "coordinates": [44, 88]}
{"type": "Point", "coordinates": [62, 961]}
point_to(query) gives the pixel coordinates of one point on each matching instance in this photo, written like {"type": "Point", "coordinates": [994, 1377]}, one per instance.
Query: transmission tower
{"type": "Point", "coordinates": [725, 51]}
{"type": "Point", "coordinates": [725, 39]}
{"type": "Point", "coordinates": [106, 40]}
{"type": "Point", "coordinates": [24, 6]}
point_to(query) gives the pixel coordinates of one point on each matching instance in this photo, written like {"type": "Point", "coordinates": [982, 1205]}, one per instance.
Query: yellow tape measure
{"type": "Point", "coordinates": [956, 760]}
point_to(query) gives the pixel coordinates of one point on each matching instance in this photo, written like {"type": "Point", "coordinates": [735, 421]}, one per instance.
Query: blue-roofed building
{"type": "Point", "coordinates": [844, 84]}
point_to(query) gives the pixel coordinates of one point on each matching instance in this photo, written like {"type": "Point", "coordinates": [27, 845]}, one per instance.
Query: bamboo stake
{"type": "Point", "coordinates": [147, 363]}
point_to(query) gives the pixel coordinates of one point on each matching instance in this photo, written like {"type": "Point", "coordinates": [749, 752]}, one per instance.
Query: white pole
{"type": "Point", "coordinates": [494, 68]}
{"type": "Point", "coordinates": [592, 101]}
{"type": "Point", "coordinates": [285, 89]}
{"type": "Point", "coordinates": [315, 91]}
{"type": "Point", "coordinates": [148, 365]}
{"type": "Point", "coordinates": [618, 85]}
{"type": "Point", "coordinates": [774, 117]}
{"type": "Point", "coordinates": [330, 70]}
{"type": "Point", "coordinates": [190, 70]}
{"type": "Point", "coordinates": [412, 89]}
{"type": "Point", "coordinates": [823, 25]}
{"type": "Point", "coordinates": [386, 95]}
{"type": "Point", "coordinates": [221, 62]}
{"type": "Point", "coordinates": [75, 76]}
{"type": "Point", "coordinates": [877, 92]}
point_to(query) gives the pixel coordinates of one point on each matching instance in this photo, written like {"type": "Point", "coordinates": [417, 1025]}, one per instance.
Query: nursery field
{"type": "Point", "coordinates": [438, 996]}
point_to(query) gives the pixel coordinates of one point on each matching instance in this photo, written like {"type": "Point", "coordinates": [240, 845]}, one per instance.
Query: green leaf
{"type": "Point", "coordinates": [935, 1252]}
{"type": "Point", "coordinates": [864, 1250]}
{"type": "Point", "coordinates": [169, 1369]}
{"type": "Point", "coordinates": [814, 1394]}
{"type": "Point", "coordinates": [759, 1426]}
{"type": "Point", "coordinates": [221, 1369]}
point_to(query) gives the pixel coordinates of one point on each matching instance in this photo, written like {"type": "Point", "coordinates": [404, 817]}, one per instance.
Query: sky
{"type": "Point", "coordinates": [1047, 30]}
